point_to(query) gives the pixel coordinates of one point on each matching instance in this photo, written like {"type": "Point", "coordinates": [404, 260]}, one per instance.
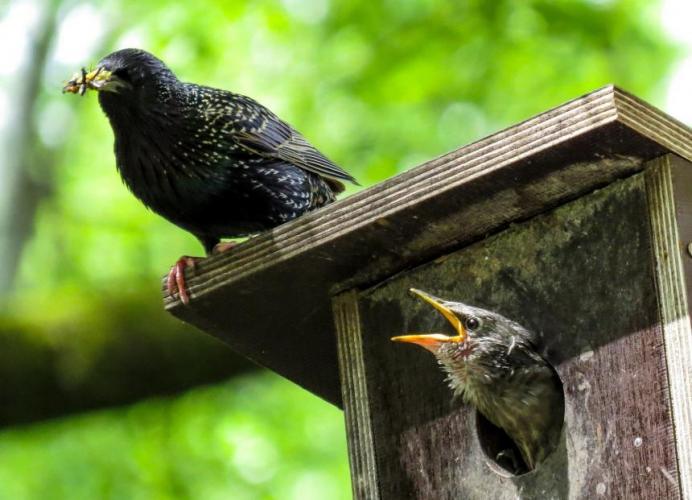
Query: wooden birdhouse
{"type": "Point", "coordinates": [576, 223]}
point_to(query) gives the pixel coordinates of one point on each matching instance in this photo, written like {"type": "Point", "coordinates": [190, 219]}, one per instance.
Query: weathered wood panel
{"type": "Point", "coordinates": [361, 447]}
{"type": "Point", "coordinates": [270, 296]}
{"type": "Point", "coordinates": [582, 277]}
{"type": "Point", "coordinates": [669, 189]}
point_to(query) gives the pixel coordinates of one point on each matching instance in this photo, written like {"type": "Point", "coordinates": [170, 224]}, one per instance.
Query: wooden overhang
{"type": "Point", "coordinates": [269, 298]}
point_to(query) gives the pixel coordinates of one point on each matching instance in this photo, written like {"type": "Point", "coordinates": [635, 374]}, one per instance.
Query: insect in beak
{"type": "Point", "coordinates": [82, 81]}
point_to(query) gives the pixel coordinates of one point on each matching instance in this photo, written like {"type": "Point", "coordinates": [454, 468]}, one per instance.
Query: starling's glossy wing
{"type": "Point", "coordinates": [263, 133]}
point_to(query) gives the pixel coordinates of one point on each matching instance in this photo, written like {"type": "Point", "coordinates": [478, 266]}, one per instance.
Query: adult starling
{"type": "Point", "coordinates": [215, 163]}
{"type": "Point", "coordinates": [491, 361]}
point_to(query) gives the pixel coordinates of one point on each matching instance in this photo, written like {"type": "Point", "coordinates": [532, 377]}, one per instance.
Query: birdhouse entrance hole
{"type": "Point", "coordinates": [502, 453]}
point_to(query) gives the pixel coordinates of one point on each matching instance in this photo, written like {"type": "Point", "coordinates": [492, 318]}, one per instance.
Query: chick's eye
{"type": "Point", "coordinates": [472, 323]}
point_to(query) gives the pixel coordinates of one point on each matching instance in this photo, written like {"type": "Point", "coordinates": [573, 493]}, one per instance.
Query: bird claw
{"type": "Point", "coordinates": [176, 277]}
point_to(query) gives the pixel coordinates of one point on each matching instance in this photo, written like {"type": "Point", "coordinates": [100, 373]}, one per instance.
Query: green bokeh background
{"type": "Point", "coordinates": [378, 86]}
{"type": "Point", "coordinates": [254, 437]}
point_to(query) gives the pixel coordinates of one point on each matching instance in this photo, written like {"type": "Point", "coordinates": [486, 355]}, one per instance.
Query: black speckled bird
{"type": "Point", "coordinates": [492, 363]}
{"type": "Point", "coordinates": [215, 163]}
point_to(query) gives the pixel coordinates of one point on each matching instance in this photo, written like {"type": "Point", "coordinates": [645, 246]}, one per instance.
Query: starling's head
{"type": "Point", "coordinates": [122, 72]}
{"type": "Point", "coordinates": [483, 342]}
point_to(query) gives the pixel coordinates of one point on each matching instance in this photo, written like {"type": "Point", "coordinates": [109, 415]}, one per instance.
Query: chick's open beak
{"type": "Point", "coordinates": [432, 341]}
{"type": "Point", "coordinates": [82, 81]}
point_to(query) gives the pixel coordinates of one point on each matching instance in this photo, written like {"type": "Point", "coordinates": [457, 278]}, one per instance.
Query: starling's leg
{"type": "Point", "coordinates": [176, 277]}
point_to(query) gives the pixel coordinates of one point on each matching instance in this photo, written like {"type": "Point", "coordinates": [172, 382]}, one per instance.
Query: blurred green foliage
{"type": "Point", "coordinates": [257, 437]}
{"type": "Point", "coordinates": [379, 87]}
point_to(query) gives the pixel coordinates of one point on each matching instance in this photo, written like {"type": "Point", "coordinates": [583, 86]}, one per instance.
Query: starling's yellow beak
{"type": "Point", "coordinates": [98, 79]}
{"type": "Point", "coordinates": [432, 341]}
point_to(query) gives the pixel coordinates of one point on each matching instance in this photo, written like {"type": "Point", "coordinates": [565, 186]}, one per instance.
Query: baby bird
{"type": "Point", "coordinates": [492, 363]}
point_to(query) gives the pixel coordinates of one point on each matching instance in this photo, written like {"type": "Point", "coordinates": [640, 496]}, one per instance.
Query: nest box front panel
{"type": "Point", "coordinates": [581, 278]}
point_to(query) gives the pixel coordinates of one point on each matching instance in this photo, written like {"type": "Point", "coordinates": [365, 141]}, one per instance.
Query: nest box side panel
{"type": "Point", "coordinates": [669, 188]}
{"type": "Point", "coordinates": [582, 278]}
{"type": "Point", "coordinates": [361, 446]}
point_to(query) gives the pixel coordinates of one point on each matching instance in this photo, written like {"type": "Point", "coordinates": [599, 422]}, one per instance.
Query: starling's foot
{"type": "Point", "coordinates": [176, 277]}
{"type": "Point", "coordinates": [223, 246]}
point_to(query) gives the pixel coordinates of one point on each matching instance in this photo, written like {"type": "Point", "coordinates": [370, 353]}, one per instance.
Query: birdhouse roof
{"type": "Point", "coordinates": [270, 297]}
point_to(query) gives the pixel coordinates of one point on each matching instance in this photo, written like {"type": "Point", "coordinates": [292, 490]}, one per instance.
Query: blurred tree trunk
{"type": "Point", "coordinates": [113, 351]}
{"type": "Point", "coordinates": [25, 170]}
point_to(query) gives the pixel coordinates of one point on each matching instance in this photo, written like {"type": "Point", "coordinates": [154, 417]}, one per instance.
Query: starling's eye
{"type": "Point", "coordinates": [472, 323]}
{"type": "Point", "coordinates": [122, 74]}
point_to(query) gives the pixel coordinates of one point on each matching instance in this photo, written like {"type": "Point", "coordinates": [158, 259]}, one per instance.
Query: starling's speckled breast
{"type": "Point", "coordinates": [215, 163]}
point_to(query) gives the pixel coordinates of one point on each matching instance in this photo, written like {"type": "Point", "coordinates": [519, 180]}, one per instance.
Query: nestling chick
{"type": "Point", "coordinates": [493, 364]}
{"type": "Point", "coordinates": [215, 163]}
